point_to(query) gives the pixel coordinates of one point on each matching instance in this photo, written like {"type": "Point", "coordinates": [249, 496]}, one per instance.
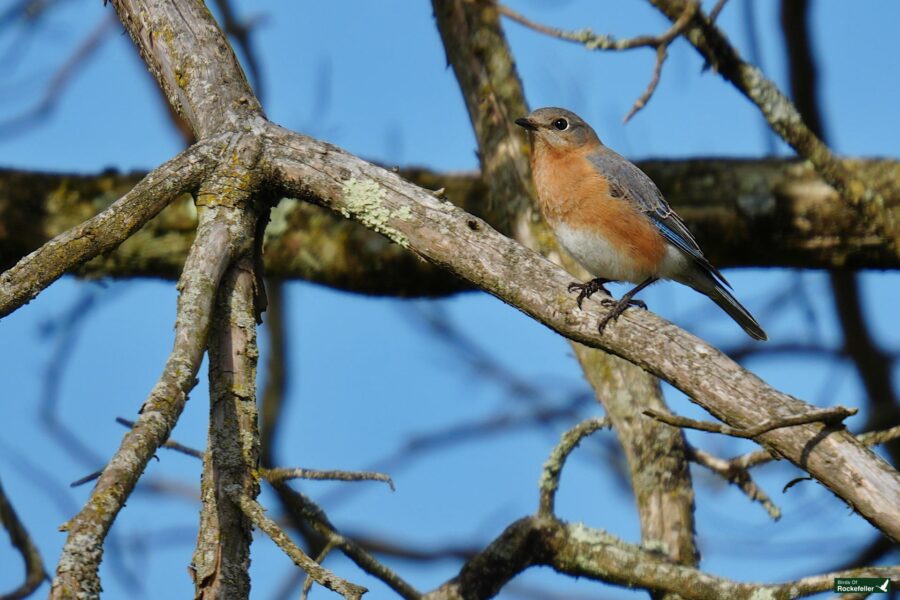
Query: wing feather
{"type": "Point", "coordinates": [628, 182]}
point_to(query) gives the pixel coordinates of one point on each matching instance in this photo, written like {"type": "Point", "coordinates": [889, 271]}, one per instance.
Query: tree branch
{"type": "Point", "coordinates": [494, 97]}
{"type": "Point", "coordinates": [308, 511]}
{"type": "Point", "coordinates": [553, 467]}
{"type": "Point", "coordinates": [280, 474]}
{"type": "Point", "coordinates": [320, 574]}
{"type": "Point", "coordinates": [592, 41]}
{"type": "Point", "coordinates": [784, 118]}
{"type": "Point", "coordinates": [740, 477]}
{"type": "Point", "coordinates": [102, 233]}
{"type": "Point", "coordinates": [768, 212]}
{"type": "Point", "coordinates": [445, 235]}
{"type": "Point", "coordinates": [183, 47]}
{"type": "Point", "coordinates": [221, 564]}
{"type": "Point", "coordinates": [578, 550]}
{"type": "Point", "coordinates": [76, 573]}
{"type": "Point", "coordinates": [830, 416]}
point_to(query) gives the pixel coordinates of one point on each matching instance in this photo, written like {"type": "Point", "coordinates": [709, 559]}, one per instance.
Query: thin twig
{"type": "Point", "coordinates": [554, 465]}
{"type": "Point", "coordinates": [662, 52]}
{"type": "Point", "coordinates": [320, 574]}
{"type": "Point", "coordinates": [64, 75]}
{"type": "Point", "coordinates": [308, 580]}
{"type": "Point", "coordinates": [170, 444]}
{"type": "Point", "coordinates": [780, 112]}
{"type": "Point", "coordinates": [661, 55]}
{"type": "Point", "coordinates": [761, 457]}
{"type": "Point", "coordinates": [738, 476]}
{"type": "Point", "coordinates": [824, 415]}
{"type": "Point", "coordinates": [279, 474]}
{"type": "Point", "coordinates": [273, 475]}
{"type": "Point", "coordinates": [309, 511]}
{"type": "Point", "coordinates": [589, 39]}
{"type": "Point", "coordinates": [593, 41]}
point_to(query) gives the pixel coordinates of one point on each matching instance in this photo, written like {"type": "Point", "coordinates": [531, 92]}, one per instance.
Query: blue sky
{"type": "Point", "coordinates": [366, 377]}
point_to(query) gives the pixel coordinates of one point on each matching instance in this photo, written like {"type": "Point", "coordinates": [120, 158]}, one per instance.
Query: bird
{"type": "Point", "coordinates": [611, 217]}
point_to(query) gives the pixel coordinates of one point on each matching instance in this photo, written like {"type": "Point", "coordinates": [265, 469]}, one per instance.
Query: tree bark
{"type": "Point", "coordinates": [745, 213]}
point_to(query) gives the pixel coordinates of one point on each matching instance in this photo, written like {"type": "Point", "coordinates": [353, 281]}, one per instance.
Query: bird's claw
{"type": "Point", "coordinates": [617, 309]}
{"type": "Point", "coordinates": [586, 290]}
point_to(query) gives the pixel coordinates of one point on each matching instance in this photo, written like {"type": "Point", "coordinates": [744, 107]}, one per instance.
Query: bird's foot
{"type": "Point", "coordinates": [619, 307]}
{"type": "Point", "coordinates": [586, 290]}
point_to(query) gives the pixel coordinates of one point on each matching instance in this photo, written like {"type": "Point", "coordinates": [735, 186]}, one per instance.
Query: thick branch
{"type": "Point", "coordinates": [578, 550]}
{"type": "Point", "coordinates": [193, 63]}
{"type": "Point", "coordinates": [76, 574]}
{"type": "Point", "coordinates": [103, 232]}
{"type": "Point", "coordinates": [221, 565]}
{"type": "Point", "coordinates": [494, 97]}
{"type": "Point", "coordinates": [471, 249]}
{"type": "Point", "coordinates": [768, 212]}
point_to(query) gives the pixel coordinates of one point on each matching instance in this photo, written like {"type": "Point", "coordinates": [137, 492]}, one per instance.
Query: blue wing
{"type": "Point", "coordinates": [629, 183]}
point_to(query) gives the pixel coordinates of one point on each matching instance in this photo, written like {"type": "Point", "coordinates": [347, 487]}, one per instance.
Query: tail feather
{"type": "Point", "coordinates": [705, 282]}
{"type": "Point", "coordinates": [736, 311]}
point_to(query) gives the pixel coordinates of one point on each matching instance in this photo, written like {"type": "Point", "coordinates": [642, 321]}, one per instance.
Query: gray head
{"type": "Point", "coordinates": [559, 128]}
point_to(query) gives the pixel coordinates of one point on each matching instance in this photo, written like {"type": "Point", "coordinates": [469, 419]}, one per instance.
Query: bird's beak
{"type": "Point", "coordinates": [526, 123]}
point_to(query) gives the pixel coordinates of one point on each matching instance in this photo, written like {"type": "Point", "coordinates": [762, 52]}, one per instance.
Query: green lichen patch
{"type": "Point", "coordinates": [364, 200]}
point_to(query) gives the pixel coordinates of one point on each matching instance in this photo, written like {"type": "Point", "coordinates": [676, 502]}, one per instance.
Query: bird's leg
{"type": "Point", "coordinates": [627, 300]}
{"type": "Point", "coordinates": [586, 290]}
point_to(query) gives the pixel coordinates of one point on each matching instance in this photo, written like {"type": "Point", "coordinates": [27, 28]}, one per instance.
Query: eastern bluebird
{"type": "Point", "coordinates": [611, 217]}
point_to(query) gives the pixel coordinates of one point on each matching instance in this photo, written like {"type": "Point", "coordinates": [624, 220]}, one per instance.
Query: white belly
{"type": "Point", "coordinates": [595, 254]}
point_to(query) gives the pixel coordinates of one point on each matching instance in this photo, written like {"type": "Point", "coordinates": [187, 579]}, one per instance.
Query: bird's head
{"type": "Point", "coordinates": [559, 128]}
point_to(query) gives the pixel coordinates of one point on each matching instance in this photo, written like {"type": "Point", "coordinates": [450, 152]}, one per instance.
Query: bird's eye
{"type": "Point", "coordinates": [561, 124]}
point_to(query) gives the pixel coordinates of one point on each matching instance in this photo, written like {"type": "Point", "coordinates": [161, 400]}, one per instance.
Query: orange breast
{"type": "Point", "coordinates": [573, 193]}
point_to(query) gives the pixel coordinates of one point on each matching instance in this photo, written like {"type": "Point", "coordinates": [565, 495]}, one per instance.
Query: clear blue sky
{"type": "Point", "coordinates": [366, 377]}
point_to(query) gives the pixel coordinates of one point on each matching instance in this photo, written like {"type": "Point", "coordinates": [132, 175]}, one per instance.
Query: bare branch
{"type": "Point", "coordinates": [185, 50]}
{"type": "Point", "coordinates": [61, 78]}
{"type": "Point", "coordinates": [308, 580]}
{"type": "Point", "coordinates": [592, 41]}
{"type": "Point", "coordinates": [761, 457]}
{"type": "Point", "coordinates": [76, 574]}
{"type": "Point", "coordinates": [740, 477]}
{"type": "Point", "coordinates": [220, 567]}
{"type": "Point", "coordinates": [781, 114]}
{"type": "Point", "coordinates": [102, 233]}
{"type": "Point", "coordinates": [320, 574]}
{"type": "Point", "coordinates": [714, 13]}
{"type": "Point", "coordinates": [578, 550]}
{"type": "Point", "coordinates": [280, 474]}
{"type": "Point", "coordinates": [442, 233]}
{"type": "Point", "coordinates": [35, 574]}
{"type": "Point", "coordinates": [553, 467]}
{"type": "Point", "coordinates": [829, 416]}
{"type": "Point", "coordinates": [303, 507]}
{"type": "Point", "coordinates": [170, 444]}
